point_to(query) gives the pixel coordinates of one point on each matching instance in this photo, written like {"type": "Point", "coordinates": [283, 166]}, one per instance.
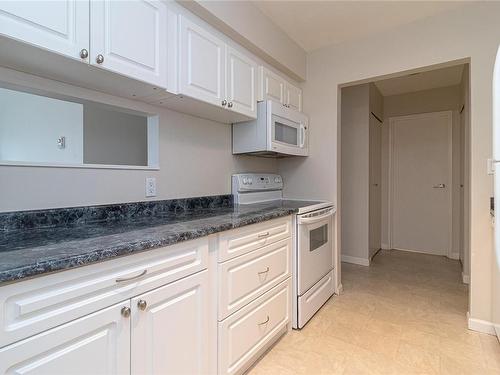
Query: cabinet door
{"type": "Point", "coordinates": [59, 26]}
{"type": "Point", "coordinates": [293, 97]}
{"type": "Point", "coordinates": [240, 83]}
{"type": "Point", "coordinates": [201, 66]}
{"type": "Point", "coordinates": [131, 38]}
{"type": "Point", "coordinates": [170, 331]}
{"type": "Point", "coordinates": [272, 86]}
{"type": "Point", "coordinates": [98, 343]}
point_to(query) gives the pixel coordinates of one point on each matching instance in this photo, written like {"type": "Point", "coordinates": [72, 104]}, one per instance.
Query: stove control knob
{"type": "Point", "coordinates": [250, 181]}
{"type": "Point", "coordinates": [277, 180]}
{"type": "Point", "coordinates": [244, 180]}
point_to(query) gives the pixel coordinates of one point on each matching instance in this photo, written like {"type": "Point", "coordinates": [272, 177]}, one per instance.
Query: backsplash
{"type": "Point", "coordinates": [64, 217]}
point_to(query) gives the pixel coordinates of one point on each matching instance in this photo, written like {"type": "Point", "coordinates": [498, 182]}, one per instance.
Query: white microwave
{"type": "Point", "coordinates": [277, 131]}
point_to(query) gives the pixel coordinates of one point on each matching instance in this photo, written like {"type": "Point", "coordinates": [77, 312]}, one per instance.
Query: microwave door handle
{"type": "Point", "coordinates": [315, 219]}
{"type": "Point", "coordinates": [302, 135]}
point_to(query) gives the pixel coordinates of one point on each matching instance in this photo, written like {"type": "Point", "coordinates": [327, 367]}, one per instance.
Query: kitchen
{"type": "Point", "coordinates": [180, 262]}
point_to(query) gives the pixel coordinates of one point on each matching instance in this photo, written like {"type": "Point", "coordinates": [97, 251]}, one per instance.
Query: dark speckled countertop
{"type": "Point", "coordinates": [39, 242]}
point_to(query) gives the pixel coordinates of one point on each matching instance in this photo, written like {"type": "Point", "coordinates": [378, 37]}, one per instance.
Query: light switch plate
{"type": "Point", "coordinates": [150, 187]}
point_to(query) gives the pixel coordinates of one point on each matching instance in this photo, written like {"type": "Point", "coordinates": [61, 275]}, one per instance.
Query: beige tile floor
{"type": "Point", "coordinates": [405, 314]}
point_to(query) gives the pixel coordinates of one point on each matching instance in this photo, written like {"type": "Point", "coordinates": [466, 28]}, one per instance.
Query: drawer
{"type": "Point", "coordinates": [245, 333]}
{"type": "Point", "coordinates": [35, 305]}
{"type": "Point", "coordinates": [240, 241]}
{"type": "Point", "coordinates": [244, 278]}
{"type": "Point", "coordinates": [311, 301]}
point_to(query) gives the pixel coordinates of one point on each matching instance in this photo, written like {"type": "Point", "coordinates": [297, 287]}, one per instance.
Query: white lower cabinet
{"type": "Point", "coordinates": [183, 310]}
{"type": "Point", "coordinates": [98, 343]}
{"type": "Point", "coordinates": [247, 333]}
{"type": "Point", "coordinates": [254, 286]}
{"type": "Point", "coordinates": [170, 329]}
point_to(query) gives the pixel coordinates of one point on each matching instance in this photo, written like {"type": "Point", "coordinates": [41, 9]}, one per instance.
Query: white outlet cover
{"type": "Point", "coordinates": [150, 187]}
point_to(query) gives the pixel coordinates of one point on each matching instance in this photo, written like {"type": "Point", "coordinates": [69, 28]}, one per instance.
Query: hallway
{"type": "Point", "coordinates": [405, 314]}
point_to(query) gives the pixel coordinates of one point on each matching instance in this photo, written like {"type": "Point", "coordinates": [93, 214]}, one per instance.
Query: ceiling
{"type": "Point", "coordinates": [431, 79]}
{"type": "Point", "coordinates": [315, 24]}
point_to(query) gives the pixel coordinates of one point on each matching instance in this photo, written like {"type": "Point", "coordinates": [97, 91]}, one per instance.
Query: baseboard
{"type": "Point", "coordinates": [465, 278]}
{"type": "Point", "coordinates": [497, 330]}
{"type": "Point", "coordinates": [340, 289]}
{"type": "Point", "coordinates": [355, 260]}
{"type": "Point", "coordinates": [455, 256]}
{"type": "Point", "coordinates": [385, 246]}
{"type": "Point", "coordinates": [482, 326]}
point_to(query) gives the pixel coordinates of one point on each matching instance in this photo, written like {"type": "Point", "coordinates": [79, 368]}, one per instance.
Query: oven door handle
{"type": "Point", "coordinates": [315, 219]}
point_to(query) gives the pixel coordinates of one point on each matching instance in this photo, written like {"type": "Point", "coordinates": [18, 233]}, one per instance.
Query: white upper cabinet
{"type": "Point", "coordinates": [170, 332]}
{"type": "Point", "coordinates": [293, 97]}
{"type": "Point", "coordinates": [241, 79]}
{"type": "Point", "coordinates": [130, 38]}
{"type": "Point", "coordinates": [98, 343]}
{"type": "Point", "coordinates": [201, 66]}
{"type": "Point", "coordinates": [59, 26]}
{"type": "Point", "coordinates": [272, 86]}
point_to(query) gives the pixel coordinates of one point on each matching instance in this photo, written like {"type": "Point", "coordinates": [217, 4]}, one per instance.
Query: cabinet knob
{"type": "Point", "coordinates": [224, 103]}
{"type": "Point", "coordinates": [84, 53]}
{"type": "Point", "coordinates": [141, 304]}
{"type": "Point", "coordinates": [230, 105]}
{"type": "Point", "coordinates": [125, 311]}
{"type": "Point", "coordinates": [99, 59]}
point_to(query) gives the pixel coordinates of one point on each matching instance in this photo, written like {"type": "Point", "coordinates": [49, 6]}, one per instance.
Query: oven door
{"type": "Point", "coordinates": [315, 247]}
{"type": "Point", "coordinates": [288, 131]}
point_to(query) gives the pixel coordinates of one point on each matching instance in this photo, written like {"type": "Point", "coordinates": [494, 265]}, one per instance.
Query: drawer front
{"type": "Point", "coordinates": [247, 331]}
{"type": "Point", "coordinates": [244, 278]}
{"type": "Point", "coordinates": [240, 241]}
{"type": "Point", "coordinates": [311, 301]}
{"type": "Point", "coordinates": [32, 306]}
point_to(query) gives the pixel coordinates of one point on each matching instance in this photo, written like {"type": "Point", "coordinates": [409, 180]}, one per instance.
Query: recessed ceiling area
{"type": "Point", "coordinates": [431, 79]}
{"type": "Point", "coordinates": [315, 24]}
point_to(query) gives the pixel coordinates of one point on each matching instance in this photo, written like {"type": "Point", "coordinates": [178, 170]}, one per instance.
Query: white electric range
{"type": "Point", "coordinates": [313, 252]}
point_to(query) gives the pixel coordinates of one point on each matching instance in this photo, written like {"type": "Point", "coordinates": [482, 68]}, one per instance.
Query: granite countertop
{"type": "Point", "coordinates": [39, 242]}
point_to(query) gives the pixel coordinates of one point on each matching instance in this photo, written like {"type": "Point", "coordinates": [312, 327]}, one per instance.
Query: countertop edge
{"type": "Point", "coordinates": [51, 266]}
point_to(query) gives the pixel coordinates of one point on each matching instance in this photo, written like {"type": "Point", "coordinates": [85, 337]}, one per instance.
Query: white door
{"type": "Point", "coordinates": [375, 195]}
{"type": "Point", "coordinates": [293, 97]}
{"type": "Point", "coordinates": [421, 178]}
{"type": "Point", "coordinates": [59, 26]}
{"type": "Point", "coordinates": [201, 66]}
{"type": "Point", "coordinates": [98, 343]}
{"type": "Point", "coordinates": [272, 86]}
{"type": "Point", "coordinates": [130, 38]}
{"type": "Point", "coordinates": [240, 83]}
{"type": "Point", "coordinates": [170, 329]}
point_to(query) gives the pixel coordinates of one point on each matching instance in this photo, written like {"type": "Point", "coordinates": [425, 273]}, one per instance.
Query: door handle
{"type": "Point", "coordinates": [439, 186]}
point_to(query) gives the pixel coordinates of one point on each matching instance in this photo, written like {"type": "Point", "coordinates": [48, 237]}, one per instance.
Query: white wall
{"type": "Point", "coordinates": [472, 32]}
{"type": "Point", "coordinates": [434, 100]}
{"type": "Point", "coordinates": [355, 173]}
{"type": "Point", "coordinates": [195, 160]}
{"type": "Point", "coordinates": [114, 138]}
{"type": "Point", "coordinates": [30, 126]}
{"type": "Point", "coordinates": [465, 172]}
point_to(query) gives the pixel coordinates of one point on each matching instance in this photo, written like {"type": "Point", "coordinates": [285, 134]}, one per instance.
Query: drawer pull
{"type": "Point", "coordinates": [261, 235]}
{"type": "Point", "coordinates": [263, 272]}
{"type": "Point", "coordinates": [121, 280]}
{"type": "Point", "coordinates": [264, 322]}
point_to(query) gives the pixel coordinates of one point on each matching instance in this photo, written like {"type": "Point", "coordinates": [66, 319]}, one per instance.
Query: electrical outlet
{"type": "Point", "coordinates": [150, 187]}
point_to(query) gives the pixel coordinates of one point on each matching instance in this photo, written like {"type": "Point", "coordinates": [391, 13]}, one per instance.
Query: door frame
{"type": "Point", "coordinates": [391, 188]}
